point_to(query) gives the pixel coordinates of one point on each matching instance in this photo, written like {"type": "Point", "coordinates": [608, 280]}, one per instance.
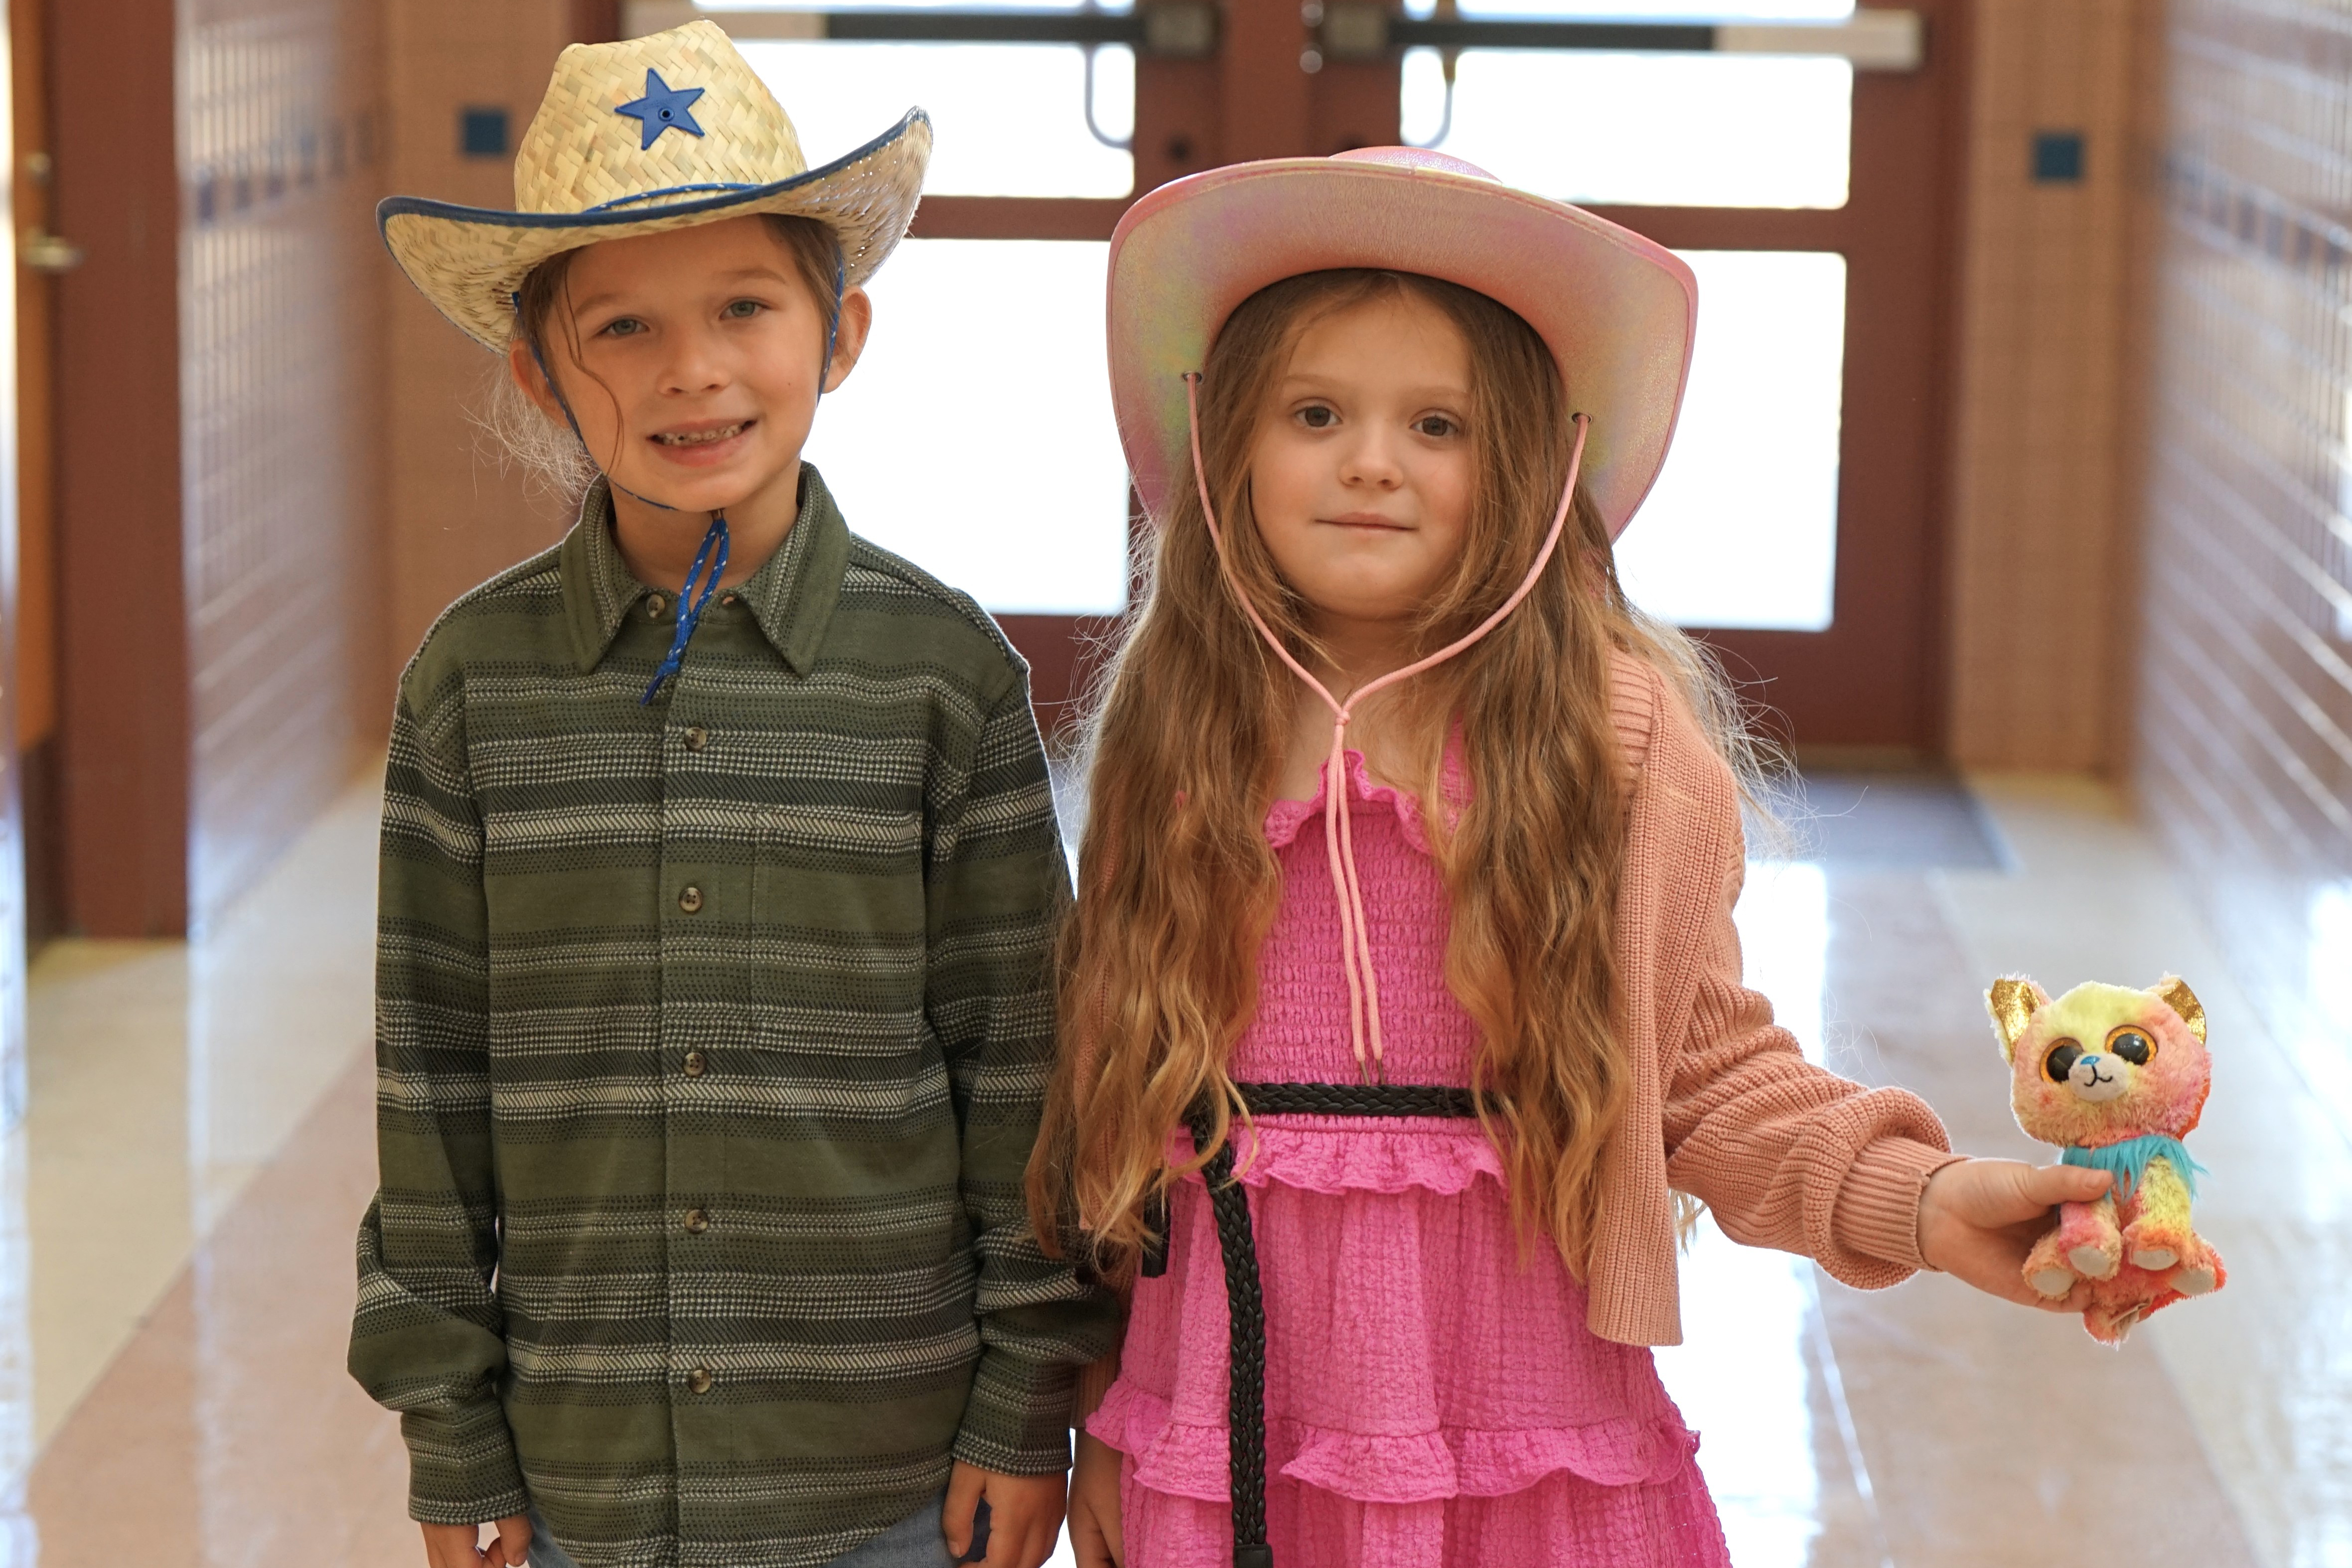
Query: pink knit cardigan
{"type": "Point", "coordinates": [1723, 1105]}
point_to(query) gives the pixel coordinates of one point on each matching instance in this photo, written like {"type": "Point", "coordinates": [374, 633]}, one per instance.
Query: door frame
{"type": "Point", "coordinates": [1872, 689]}
{"type": "Point", "coordinates": [1872, 686]}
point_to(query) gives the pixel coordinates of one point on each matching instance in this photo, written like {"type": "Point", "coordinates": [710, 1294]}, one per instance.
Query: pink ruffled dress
{"type": "Point", "coordinates": [1432, 1396]}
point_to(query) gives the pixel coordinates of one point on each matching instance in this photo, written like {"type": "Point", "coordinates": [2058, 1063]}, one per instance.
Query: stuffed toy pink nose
{"type": "Point", "coordinates": [2097, 1076]}
{"type": "Point", "coordinates": [2093, 1075]}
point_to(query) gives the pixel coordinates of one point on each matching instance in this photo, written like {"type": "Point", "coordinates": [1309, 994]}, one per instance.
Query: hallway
{"type": "Point", "coordinates": [175, 1235]}
{"type": "Point", "coordinates": [2011, 482]}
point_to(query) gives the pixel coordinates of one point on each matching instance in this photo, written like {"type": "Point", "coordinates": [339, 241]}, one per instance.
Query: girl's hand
{"type": "Point", "coordinates": [1094, 1538]}
{"type": "Point", "coordinates": [1024, 1515]}
{"type": "Point", "coordinates": [1978, 1219]}
{"type": "Point", "coordinates": [454, 1545]}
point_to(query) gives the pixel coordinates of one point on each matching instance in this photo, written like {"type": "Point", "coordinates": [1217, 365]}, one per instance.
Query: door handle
{"type": "Point", "coordinates": [45, 252]}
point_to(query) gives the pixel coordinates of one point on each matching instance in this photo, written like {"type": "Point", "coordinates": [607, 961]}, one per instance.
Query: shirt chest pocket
{"type": "Point", "coordinates": [836, 937]}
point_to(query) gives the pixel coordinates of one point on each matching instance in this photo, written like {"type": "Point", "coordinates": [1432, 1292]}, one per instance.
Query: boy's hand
{"type": "Point", "coordinates": [1095, 1536]}
{"type": "Point", "coordinates": [453, 1545]}
{"type": "Point", "coordinates": [1978, 1219]}
{"type": "Point", "coordinates": [1024, 1515]}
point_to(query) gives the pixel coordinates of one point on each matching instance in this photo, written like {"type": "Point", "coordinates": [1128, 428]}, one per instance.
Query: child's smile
{"type": "Point", "coordinates": [691, 362]}
{"type": "Point", "coordinates": [703, 445]}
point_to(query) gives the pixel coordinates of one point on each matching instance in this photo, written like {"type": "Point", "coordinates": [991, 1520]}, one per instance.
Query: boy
{"type": "Point", "coordinates": [714, 978]}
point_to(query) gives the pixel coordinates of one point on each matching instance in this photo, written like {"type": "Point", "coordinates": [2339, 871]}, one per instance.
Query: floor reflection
{"type": "Point", "coordinates": [1784, 937]}
{"type": "Point", "coordinates": [18, 1445]}
{"type": "Point", "coordinates": [176, 1212]}
{"type": "Point", "coordinates": [1755, 1378]}
{"type": "Point", "coordinates": [1756, 1374]}
{"type": "Point", "coordinates": [162, 1270]}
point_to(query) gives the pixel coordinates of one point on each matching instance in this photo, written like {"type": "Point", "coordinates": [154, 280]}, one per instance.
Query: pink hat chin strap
{"type": "Point", "coordinates": [1338, 840]}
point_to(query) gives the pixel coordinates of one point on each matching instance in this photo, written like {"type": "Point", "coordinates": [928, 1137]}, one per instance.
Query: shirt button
{"type": "Point", "coordinates": [690, 899]}
{"type": "Point", "coordinates": [698, 1381]}
{"type": "Point", "coordinates": [696, 737]}
{"type": "Point", "coordinates": [655, 604]}
{"type": "Point", "coordinates": [696, 1221]}
{"type": "Point", "coordinates": [728, 599]}
{"type": "Point", "coordinates": [696, 1064]}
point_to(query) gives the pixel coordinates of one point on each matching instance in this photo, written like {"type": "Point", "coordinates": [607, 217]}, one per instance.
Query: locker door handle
{"type": "Point", "coordinates": [45, 252]}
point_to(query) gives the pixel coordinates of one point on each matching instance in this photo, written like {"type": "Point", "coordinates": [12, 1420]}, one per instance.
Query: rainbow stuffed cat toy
{"type": "Point", "coordinates": [2116, 1078]}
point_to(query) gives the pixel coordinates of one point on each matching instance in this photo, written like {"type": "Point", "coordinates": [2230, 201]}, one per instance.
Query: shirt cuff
{"type": "Point", "coordinates": [462, 1467]}
{"type": "Point", "coordinates": [1017, 1422]}
{"type": "Point", "coordinates": [1877, 1212]}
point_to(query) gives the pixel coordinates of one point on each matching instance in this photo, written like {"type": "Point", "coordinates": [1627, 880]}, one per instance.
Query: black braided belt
{"type": "Point", "coordinates": [1229, 1204]}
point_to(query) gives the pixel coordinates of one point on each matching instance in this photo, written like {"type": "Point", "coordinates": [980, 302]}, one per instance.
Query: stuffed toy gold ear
{"type": "Point", "coordinates": [2012, 1002]}
{"type": "Point", "coordinates": [2176, 995]}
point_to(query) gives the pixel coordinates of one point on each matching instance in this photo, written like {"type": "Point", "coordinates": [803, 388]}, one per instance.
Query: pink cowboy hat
{"type": "Point", "coordinates": [1617, 310]}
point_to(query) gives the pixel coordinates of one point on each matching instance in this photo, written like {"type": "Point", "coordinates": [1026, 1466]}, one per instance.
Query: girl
{"type": "Point", "coordinates": [1403, 992]}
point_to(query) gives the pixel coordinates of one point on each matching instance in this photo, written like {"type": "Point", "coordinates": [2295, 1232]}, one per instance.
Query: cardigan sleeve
{"type": "Point", "coordinates": [1784, 1153]}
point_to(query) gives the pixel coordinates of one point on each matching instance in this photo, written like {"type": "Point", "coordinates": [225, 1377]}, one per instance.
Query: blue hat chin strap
{"type": "Point", "coordinates": [690, 605]}
{"type": "Point", "coordinates": [713, 550]}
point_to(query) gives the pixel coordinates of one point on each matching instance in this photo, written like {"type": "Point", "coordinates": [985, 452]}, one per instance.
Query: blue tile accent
{"type": "Point", "coordinates": [2057, 157]}
{"type": "Point", "coordinates": [482, 132]}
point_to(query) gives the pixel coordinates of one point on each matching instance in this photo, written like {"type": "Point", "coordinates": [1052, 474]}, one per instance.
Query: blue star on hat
{"type": "Point", "coordinates": [663, 107]}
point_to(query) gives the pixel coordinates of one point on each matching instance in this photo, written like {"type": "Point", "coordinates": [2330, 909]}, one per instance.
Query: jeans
{"type": "Point", "coordinates": [914, 1541]}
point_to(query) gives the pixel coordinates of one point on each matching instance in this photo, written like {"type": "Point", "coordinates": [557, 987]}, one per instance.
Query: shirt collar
{"type": "Point", "coordinates": [791, 597]}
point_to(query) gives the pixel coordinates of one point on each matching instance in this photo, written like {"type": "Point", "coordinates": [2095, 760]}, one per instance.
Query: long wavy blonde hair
{"type": "Point", "coordinates": [1178, 886]}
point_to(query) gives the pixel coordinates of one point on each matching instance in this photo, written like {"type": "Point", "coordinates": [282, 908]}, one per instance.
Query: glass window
{"type": "Point", "coordinates": [1741, 530]}
{"type": "Point", "coordinates": [1009, 119]}
{"type": "Point", "coordinates": [975, 437]}
{"type": "Point", "coordinates": [1653, 130]}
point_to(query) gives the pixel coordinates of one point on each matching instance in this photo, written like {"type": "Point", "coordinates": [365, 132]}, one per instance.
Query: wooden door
{"type": "Point", "coordinates": [1870, 686]}
{"type": "Point", "coordinates": [1219, 83]}
{"type": "Point", "coordinates": [33, 644]}
{"type": "Point", "coordinates": [23, 573]}
{"type": "Point", "coordinates": [1255, 93]}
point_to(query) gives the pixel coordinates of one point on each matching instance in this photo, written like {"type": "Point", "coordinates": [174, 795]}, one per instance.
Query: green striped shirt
{"type": "Point", "coordinates": [711, 1036]}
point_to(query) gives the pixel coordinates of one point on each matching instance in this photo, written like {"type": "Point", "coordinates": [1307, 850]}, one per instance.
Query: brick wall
{"type": "Point", "coordinates": [2244, 683]}
{"type": "Point", "coordinates": [280, 377]}
{"type": "Point", "coordinates": [455, 519]}
{"type": "Point", "coordinates": [2040, 598]}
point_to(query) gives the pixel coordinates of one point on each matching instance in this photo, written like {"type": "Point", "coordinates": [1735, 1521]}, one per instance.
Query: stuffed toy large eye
{"type": "Point", "coordinates": [2061, 1060]}
{"type": "Point", "coordinates": [2132, 1044]}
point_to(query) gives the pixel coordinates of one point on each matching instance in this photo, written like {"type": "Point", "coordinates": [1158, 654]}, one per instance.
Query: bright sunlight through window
{"type": "Point", "coordinates": [1741, 530]}
{"type": "Point", "coordinates": [975, 437]}
{"type": "Point", "coordinates": [1011, 119]}
{"type": "Point", "coordinates": [1655, 129]}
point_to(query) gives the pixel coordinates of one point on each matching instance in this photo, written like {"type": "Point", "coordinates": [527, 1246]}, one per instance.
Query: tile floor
{"type": "Point", "coordinates": [176, 1215]}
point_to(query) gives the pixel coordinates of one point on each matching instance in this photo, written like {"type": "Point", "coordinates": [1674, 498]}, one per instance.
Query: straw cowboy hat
{"type": "Point", "coordinates": [634, 138]}
{"type": "Point", "coordinates": [1617, 311]}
